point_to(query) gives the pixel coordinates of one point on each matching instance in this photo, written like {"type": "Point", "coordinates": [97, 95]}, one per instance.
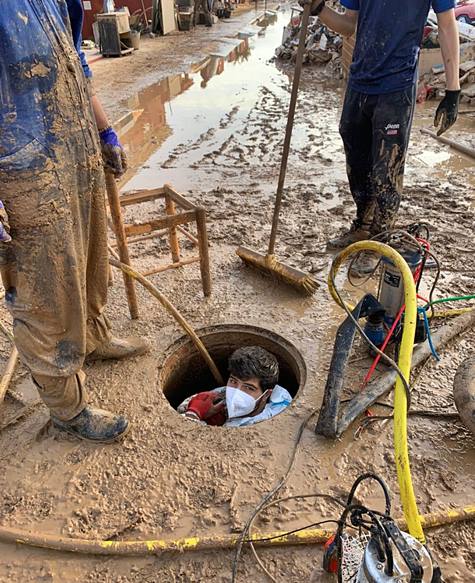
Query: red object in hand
{"type": "Point", "coordinates": [209, 407]}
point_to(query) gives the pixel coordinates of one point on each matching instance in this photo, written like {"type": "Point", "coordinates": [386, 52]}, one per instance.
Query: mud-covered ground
{"type": "Point", "coordinates": [216, 134]}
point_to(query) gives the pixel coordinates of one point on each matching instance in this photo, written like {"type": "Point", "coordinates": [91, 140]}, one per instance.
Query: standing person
{"type": "Point", "coordinates": [202, 7]}
{"type": "Point", "coordinates": [380, 100]}
{"type": "Point", "coordinates": [55, 267]}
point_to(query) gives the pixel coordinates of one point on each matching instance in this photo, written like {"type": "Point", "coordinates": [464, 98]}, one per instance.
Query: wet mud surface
{"type": "Point", "coordinates": [219, 144]}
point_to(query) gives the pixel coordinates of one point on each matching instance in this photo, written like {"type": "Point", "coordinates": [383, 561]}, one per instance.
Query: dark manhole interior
{"type": "Point", "coordinates": [185, 373]}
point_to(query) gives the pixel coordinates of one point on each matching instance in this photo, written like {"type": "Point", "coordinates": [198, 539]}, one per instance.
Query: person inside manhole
{"type": "Point", "coordinates": [251, 395]}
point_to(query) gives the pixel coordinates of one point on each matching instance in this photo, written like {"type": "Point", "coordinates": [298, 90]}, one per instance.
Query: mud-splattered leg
{"type": "Point", "coordinates": [357, 135]}
{"type": "Point", "coordinates": [392, 120]}
{"type": "Point", "coordinates": [55, 269]}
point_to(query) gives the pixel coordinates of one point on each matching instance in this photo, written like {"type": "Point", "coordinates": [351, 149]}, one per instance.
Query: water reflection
{"type": "Point", "coordinates": [146, 128]}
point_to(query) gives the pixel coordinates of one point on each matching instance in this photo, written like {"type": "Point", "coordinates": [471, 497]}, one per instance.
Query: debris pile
{"type": "Point", "coordinates": [432, 78]}
{"type": "Point", "coordinates": [432, 85]}
{"type": "Point", "coordinates": [322, 46]}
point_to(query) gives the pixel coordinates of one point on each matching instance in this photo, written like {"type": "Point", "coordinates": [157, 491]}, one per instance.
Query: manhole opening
{"type": "Point", "coordinates": [184, 372]}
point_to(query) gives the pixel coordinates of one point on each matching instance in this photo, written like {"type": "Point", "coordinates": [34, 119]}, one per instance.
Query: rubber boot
{"type": "Point", "coordinates": [118, 349]}
{"type": "Point", "coordinates": [365, 264]}
{"type": "Point", "coordinates": [353, 235]}
{"type": "Point", "coordinates": [95, 425]}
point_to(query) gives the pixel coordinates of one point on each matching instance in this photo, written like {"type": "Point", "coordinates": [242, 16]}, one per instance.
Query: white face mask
{"type": "Point", "coordinates": [239, 403]}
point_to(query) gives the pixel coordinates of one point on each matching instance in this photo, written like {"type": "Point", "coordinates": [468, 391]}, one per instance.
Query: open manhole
{"type": "Point", "coordinates": [185, 373]}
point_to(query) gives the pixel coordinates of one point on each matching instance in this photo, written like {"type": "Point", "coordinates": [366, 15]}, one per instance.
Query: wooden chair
{"type": "Point", "coordinates": [178, 213]}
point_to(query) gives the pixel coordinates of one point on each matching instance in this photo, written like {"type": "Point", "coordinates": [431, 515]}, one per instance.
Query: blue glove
{"type": "Point", "coordinates": [4, 225]}
{"type": "Point", "coordinates": [113, 154]}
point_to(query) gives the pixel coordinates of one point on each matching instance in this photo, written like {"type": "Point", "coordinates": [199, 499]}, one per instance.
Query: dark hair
{"type": "Point", "coordinates": [254, 362]}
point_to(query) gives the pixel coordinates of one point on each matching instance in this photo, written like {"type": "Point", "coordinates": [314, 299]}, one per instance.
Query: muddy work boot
{"type": "Point", "coordinates": [365, 264]}
{"type": "Point", "coordinates": [95, 425]}
{"type": "Point", "coordinates": [353, 235]}
{"type": "Point", "coordinates": [118, 349]}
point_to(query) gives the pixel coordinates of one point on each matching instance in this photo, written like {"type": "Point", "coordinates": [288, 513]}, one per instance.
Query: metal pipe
{"type": "Point", "coordinates": [455, 145]}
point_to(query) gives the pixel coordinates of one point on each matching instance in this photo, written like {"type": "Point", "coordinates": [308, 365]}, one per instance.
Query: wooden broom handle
{"type": "Point", "coordinates": [289, 127]}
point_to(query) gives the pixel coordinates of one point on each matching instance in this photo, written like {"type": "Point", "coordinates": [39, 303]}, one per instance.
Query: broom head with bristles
{"type": "Point", "coordinates": [269, 265]}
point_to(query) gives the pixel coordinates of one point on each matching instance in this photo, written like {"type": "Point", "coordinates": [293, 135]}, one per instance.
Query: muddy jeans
{"type": "Point", "coordinates": [375, 131]}
{"type": "Point", "coordinates": [55, 270]}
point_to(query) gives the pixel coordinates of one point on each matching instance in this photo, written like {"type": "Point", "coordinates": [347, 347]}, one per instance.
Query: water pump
{"type": "Point", "coordinates": [391, 286]}
{"type": "Point", "coordinates": [369, 547]}
{"type": "Point", "coordinates": [399, 558]}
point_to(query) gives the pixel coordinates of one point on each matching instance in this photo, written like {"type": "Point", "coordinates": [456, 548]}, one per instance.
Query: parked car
{"type": "Point", "coordinates": [465, 11]}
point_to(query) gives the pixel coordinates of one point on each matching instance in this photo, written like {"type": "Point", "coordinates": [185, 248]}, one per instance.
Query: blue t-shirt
{"type": "Point", "coordinates": [388, 41]}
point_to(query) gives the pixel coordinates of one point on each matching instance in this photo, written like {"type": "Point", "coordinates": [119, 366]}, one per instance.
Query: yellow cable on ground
{"type": "Point", "coordinates": [401, 451]}
{"type": "Point", "coordinates": [202, 542]}
{"type": "Point", "coordinates": [450, 313]}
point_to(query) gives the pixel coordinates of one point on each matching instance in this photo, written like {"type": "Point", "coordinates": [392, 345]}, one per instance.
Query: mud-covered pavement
{"type": "Point", "coordinates": [216, 135]}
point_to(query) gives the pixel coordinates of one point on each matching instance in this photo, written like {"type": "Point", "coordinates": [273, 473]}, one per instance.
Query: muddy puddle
{"type": "Point", "coordinates": [436, 158]}
{"type": "Point", "coordinates": [230, 109]}
{"type": "Point", "coordinates": [183, 127]}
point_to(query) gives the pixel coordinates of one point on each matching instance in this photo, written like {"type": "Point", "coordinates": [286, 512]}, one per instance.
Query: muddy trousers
{"type": "Point", "coordinates": [55, 270]}
{"type": "Point", "coordinates": [202, 7]}
{"type": "Point", "coordinates": [375, 130]}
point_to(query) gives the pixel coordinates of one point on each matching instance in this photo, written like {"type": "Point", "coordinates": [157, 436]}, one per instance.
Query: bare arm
{"type": "Point", "coordinates": [449, 44]}
{"type": "Point", "coordinates": [115, 158]}
{"type": "Point", "coordinates": [101, 117]}
{"type": "Point", "coordinates": [343, 23]}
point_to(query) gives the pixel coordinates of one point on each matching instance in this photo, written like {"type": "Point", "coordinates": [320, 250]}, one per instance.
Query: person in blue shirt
{"type": "Point", "coordinates": [380, 99]}
{"type": "Point", "coordinates": [55, 140]}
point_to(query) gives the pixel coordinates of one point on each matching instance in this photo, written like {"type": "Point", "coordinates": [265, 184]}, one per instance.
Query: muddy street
{"type": "Point", "coordinates": [210, 121]}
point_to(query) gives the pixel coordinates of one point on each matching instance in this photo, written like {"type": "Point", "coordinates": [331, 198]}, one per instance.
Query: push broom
{"type": "Point", "coordinates": [268, 263]}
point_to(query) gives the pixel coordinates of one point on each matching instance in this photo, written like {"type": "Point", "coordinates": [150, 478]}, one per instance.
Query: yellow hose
{"type": "Point", "coordinates": [401, 452]}
{"type": "Point", "coordinates": [202, 542]}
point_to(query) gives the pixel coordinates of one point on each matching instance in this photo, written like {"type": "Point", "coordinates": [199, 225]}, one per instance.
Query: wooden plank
{"type": "Point", "coordinates": [173, 237]}
{"type": "Point", "coordinates": [9, 370]}
{"type": "Point", "coordinates": [138, 196]}
{"type": "Point", "coordinates": [178, 198]}
{"type": "Point", "coordinates": [382, 385]}
{"type": "Point", "coordinates": [204, 251]}
{"type": "Point", "coordinates": [188, 235]}
{"type": "Point", "coordinates": [180, 263]}
{"type": "Point", "coordinates": [121, 238]}
{"type": "Point", "coordinates": [161, 223]}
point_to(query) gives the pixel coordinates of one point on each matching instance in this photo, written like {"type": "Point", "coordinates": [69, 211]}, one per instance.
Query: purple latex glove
{"type": "Point", "coordinates": [4, 225]}
{"type": "Point", "coordinates": [113, 154]}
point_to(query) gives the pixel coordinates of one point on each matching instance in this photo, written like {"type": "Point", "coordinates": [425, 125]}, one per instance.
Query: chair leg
{"type": "Point", "coordinates": [174, 243]}
{"type": "Point", "coordinates": [204, 250]}
{"type": "Point", "coordinates": [116, 214]}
